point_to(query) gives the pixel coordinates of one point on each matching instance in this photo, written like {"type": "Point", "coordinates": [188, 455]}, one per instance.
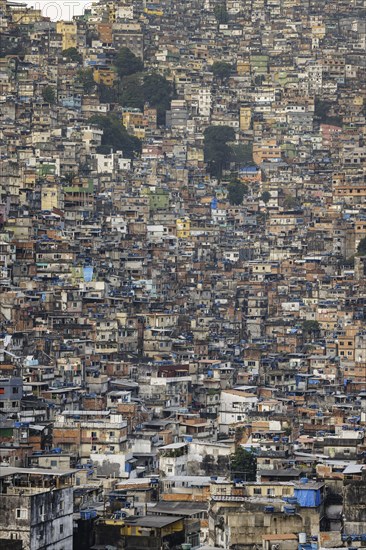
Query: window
{"type": "Point", "coordinates": [15, 390]}
{"type": "Point", "coordinates": [257, 491]}
{"type": "Point", "coordinates": [61, 528]}
{"type": "Point", "coordinates": [54, 463]}
{"type": "Point", "coordinates": [21, 513]}
{"type": "Point", "coordinates": [270, 492]}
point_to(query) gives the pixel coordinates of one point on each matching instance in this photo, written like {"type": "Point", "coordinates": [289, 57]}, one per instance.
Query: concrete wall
{"type": "Point", "coordinates": [46, 522]}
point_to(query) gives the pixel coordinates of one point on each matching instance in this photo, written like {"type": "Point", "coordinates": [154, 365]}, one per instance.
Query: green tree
{"type": "Point", "coordinates": [138, 89]}
{"type": "Point", "coordinates": [73, 55]}
{"type": "Point", "coordinates": [221, 14]}
{"type": "Point", "coordinates": [115, 136]}
{"type": "Point", "coordinates": [127, 63]}
{"type": "Point", "coordinates": [69, 178]}
{"type": "Point", "coordinates": [107, 94]}
{"type": "Point", "coordinates": [217, 152]}
{"type": "Point", "coordinates": [259, 79]}
{"type": "Point", "coordinates": [131, 92]}
{"type": "Point", "coordinates": [86, 79]}
{"type": "Point", "coordinates": [48, 94]}
{"type": "Point", "coordinates": [266, 197]}
{"type": "Point", "coordinates": [361, 248]}
{"type": "Point", "coordinates": [243, 465]}
{"type": "Point", "coordinates": [311, 328]}
{"type": "Point", "coordinates": [236, 192]}
{"type": "Point", "coordinates": [291, 202]}
{"type": "Point", "coordinates": [158, 92]}
{"type": "Point", "coordinates": [223, 464]}
{"type": "Point", "coordinates": [222, 70]}
{"type": "Point", "coordinates": [242, 154]}
{"type": "Point", "coordinates": [322, 109]}
{"type": "Point", "coordinates": [208, 465]}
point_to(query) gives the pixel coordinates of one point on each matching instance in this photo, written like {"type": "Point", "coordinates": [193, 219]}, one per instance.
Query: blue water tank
{"type": "Point", "coordinates": [88, 513]}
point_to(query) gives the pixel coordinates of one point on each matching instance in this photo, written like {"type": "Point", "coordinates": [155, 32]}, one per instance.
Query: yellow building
{"type": "Point", "coordinates": [51, 197]}
{"type": "Point", "coordinates": [245, 118]}
{"type": "Point", "coordinates": [266, 150]}
{"type": "Point", "coordinates": [243, 67]}
{"type": "Point", "coordinates": [112, 12]}
{"type": "Point", "coordinates": [135, 122]}
{"type": "Point", "coordinates": [104, 76]}
{"type": "Point", "coordinates": [26, 16]}
{"type": "Point", "coordinates": [68, 30]}
{"type": "Point", "coordinates": [183, 228]}
{"type": "Point", "coordinates": [358, 100]}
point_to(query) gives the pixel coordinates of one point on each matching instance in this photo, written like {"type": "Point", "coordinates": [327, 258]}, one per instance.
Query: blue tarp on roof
{"type": "Point", "coordinates": [88, 273]}
{"type": "Point", "coordinates": [249, 169]}
{"type": "Point", "coordinates": [308, 498]}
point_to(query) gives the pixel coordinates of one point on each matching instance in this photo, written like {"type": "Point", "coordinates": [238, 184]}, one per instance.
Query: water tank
{"type": "Point", "coordinates": [302, 538]}
{"type": "Point", "coordinates": [88, 513]}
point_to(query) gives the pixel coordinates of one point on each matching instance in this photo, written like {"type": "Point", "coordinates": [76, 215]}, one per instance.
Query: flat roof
{"type": "Point", "coordinates": [182, 508]}
{"type": "Point", "coordinates": [173, 446]}
{"type": "Point", "coordinates": [6, 471]}
{"type": "Point", "coordinates": [197, 480]}
{"type": "Point", "coordinates": [283, 472]}
{"type": "Point", "coordinates": [157, 522]}
{"type": "Point", "coordinates": [354, 469]}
